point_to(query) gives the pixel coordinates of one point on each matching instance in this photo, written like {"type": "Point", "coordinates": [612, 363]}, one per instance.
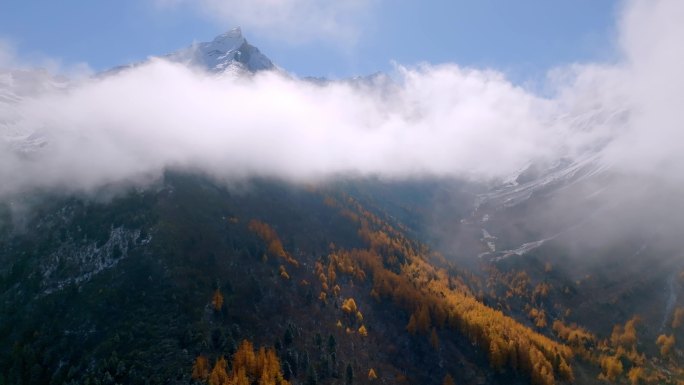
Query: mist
{"type": "Point", "coordinates": [426, 120]}
{"type": "Point", "coordinates": [434, 120]}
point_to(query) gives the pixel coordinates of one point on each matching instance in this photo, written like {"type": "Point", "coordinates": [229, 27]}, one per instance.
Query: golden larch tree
{"type": "Point", "coordinates": [678, 318]}
{"type": "Point", "coordinates": [635, 375]}
{"type": "Point", "coordinates": [448, 380]}
{"type": "Point", "coordinates": [666, 343]}
{"type": "Point", "coordinates": [372, 375]}
{"type": "Point", "coordinates": [217, 300]}
{"type": "Point", "coordinates": [349, 306]}
{"type": "Point", "coordinates": [200, 369]}
{"type": "Point", "coordinates": [218, 375]}
{"type": "Point", "coordinates": [611, 368]}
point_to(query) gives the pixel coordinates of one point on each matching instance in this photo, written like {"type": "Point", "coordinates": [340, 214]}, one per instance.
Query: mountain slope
{"type": "Point", "coordinates": [144, 311]}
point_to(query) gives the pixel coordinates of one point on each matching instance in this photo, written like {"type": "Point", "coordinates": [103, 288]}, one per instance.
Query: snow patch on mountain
{"type": "Point", "coordinates": [587, 132]}
{"type": "Point", "coordinates": [76, 262]}
{"type": "Point", "coordinates": [559, 174]}
{"type": "Point", "coordinates": [17, 86]}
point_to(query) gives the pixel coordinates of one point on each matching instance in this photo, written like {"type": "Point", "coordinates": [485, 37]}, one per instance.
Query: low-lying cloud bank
{"type": "Point", "coordinates": [438, 120]}
{"type": "Point", "coordinates": [430, 120]}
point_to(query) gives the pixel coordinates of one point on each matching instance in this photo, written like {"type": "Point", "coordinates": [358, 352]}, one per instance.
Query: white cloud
{"type": "Point", "coordinates": [435, 120]}
{"type": "Point", "coordinates": [293, 21]}
{"type": "Point", "coordinates": [438, 120]}
{"type": "Point", "coordinates": [651, 37]}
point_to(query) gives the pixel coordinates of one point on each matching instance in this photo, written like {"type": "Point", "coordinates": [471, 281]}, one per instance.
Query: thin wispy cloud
{"type": "Point", "coordinates": [7, 53]}
{"type": "Point", "coordinates": [12, 59]}
{"type": "Point", "coordinates": [288, 21]}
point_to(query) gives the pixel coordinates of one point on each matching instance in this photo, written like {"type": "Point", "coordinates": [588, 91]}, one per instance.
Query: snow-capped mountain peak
{"type": "Point", "coordinates": [227, 52]}
{"type": "Point", "coordinates": [229, 41]}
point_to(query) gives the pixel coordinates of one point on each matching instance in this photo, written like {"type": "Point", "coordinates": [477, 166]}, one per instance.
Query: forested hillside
{"type": "Point", "coordinates": [272, 283]}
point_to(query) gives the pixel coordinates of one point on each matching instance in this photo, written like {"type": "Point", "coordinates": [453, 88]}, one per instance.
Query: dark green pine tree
{"type": "Point", "coordinates": [311, 376]}
{"type": "Point", "coordinates": [350, 375]}
{"type": "Point", "coordinates": [332, 344]}
{"type": "Point", "coordinates": [288, 337]}
{"type": "Point", "coordinates": [287, 371]}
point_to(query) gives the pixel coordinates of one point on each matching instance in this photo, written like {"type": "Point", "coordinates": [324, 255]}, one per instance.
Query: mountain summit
{"type": "Point", "coordinates": [228, 51]}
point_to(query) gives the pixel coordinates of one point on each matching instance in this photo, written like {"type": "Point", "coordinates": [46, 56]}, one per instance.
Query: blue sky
{"type": "Point", "coordinates": [523, 38]}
